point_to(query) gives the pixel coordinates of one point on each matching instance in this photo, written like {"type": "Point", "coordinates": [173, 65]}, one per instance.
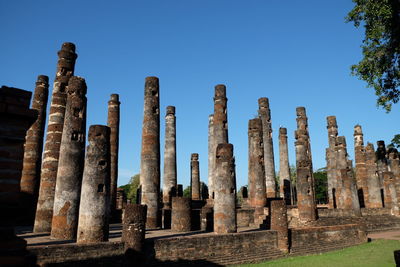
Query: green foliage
{"type": "Point", "coordinates": [131, 188]}
{"type": "Point", "coordinates": [380, 65]}
{"type": "Point", "coordinates": [321, 185]}
{"type": "Point", "coordinates": [395, 141]}
{"type": "Point", "coordinates": [187, 191]}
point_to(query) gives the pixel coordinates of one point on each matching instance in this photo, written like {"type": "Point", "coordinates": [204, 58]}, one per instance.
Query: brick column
{"type": "Point", "coordinates": [134, 231]}
{"type": "Point", "coordinates": [71, 162]}
{"type": "Point", "coordinates": [65, 70]}
{"type": "Point", "coordinates": [170, 176]}
{"type": "Point", "coordinates": [211, 155]}
{"type": "Point", "coordinates": [305, 179]}
{"type": "Point", "coordinates": [361, 168]}
{"type": "Point", "coordinates": [257, 197]}
{"type": "Point", "coordinates": [181, 220]}
{"type": "Point", "coordinates": [225, 191]}
{"type": "Point", "coordinates": [265, 115]}
{"type": "Point", "coordinates": [33, 148]}
{"type": "Point", "coordinates": [150, 155]}
{"type": "Point", "coordinates": [284, 169]}
{"type": "Point", "coordinates": [332, 172]}
{"type": "Point", "coordinates": [195, 176]}
{"type": "Point", "coordinates": [374, 189]}
{"type": "Point", "coordinates": [94, 206]}
{"type": "Point", "coordinates": [279, 223]}
{"type": "Point", "coordinates": [113, 123]}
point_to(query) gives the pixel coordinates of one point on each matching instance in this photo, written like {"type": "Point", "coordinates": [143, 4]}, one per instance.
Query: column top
{"type": "Point", "coordinates": [170, 110]}
{"type": "Point", "coordinates": [42, 79]}
{"type": "Point", "coordinates": [220, 90]}
{"type": "Point", "coordinates": [282, 131]}
{"type": "Point", "coordinates": [195, 156]}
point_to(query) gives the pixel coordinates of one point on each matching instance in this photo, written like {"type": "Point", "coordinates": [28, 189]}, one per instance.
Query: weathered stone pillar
{"type": "Point", "coordinates": [134, 230]}
{"type": "Point", "coordinates": [381, 161]}
{"type": "Point", "coordinates": [121, 199]}
{"type": "Point", "coordinates": [305, 179]}
{"type": "Point", "coordinates": [220, 126]}
{"type": "Point", "coordinates": [170, 177]}
{"type": "Point", "coordinates": [390, 192]}
{"type": "Point", "coordinates": [361, 168]}
{"type": "Point", "coordinates": [65, 70]}
{"type": "Point", "coordinates": [279, 223]}
{"type": "Point", "coordinates": [195, 176]}
{"type": "Point", "coordinates": [211, 155]}
{"type": "Point", "coordinates": [71, 162]}
{"type": "Point", "coordinates": [33, 147]}
{"type": "Point", "coordinates": [94, 206]}
{"type": "Point", "coordinates": [374, 189]}
{"type": "Point", "coordinates": [225, 191]}
{"type": "Point", "coordinates": [265, 115]}
{"type": "Point", "coordinates": [150, 155]}
{"type": "Point", "coordinates": [257, 197]}
{"type": "Point", "coordinates": [113, 123]}
{"type": "Point", "coordinates": [207, 219]}
{"type": "Point", "coordinates": [181, 210]}
{"type": "Point", "coordinates": [284, 169]}
{"type": "Point", "coordinates": [349, 190]}
{"type": "Point", "coordinates": [332, 172]}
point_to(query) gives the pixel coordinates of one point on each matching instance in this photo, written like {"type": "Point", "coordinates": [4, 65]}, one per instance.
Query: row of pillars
{"type": "Point", "coordinates": [64, 181]}
{"type": "Point", "coordinates": [377, 173]}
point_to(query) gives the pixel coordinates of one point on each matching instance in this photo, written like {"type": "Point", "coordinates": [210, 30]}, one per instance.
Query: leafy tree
{"type": "Point", "coordinates": [187, 191]}
{"type": "Point", "coordinates": [380, 65]}
{"type": "Point", "coordinates": [321, 185]}
{"type": "Point", "coordinates": [395, 141]}
{"type": "Point", "coordinates": [131, 188]}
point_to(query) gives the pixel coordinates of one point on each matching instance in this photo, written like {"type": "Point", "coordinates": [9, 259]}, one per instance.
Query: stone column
{"type": "Point", "coordinates": [71, 162]}
{"type": "Point", "coordinates": [33, 148]}
{"type": "Point", "coordinates": [374, 189]}
{"type": "Point", "coordinates": [305, 179]}
{"type": "Point", "coordinates": [211, 155]}
{"type": "Point", "coordinates": [94, 206]}
{"type": "Point", "coordinates": [65, 70]}
{"type": "Point", "coordinates": [381, 161]}
{"type": "Point", "coordinates": [257, 197]}
{"type": "Point", "coordinates": [207, 219]}
{"type": "Point", "coordinates": [279, 223]}
{"type": "Point", "coordinates": [332, 172]}
{"type": "Point", "coordinates": [121, 199]}
{"type": "Point", "coordinates": [134, 231]}
{"type": "Point", "coordinates": [284, 169]}
{"type": "Point", "coordinates": [113, 123]}
{"type": "Point", "coordinates": [265, 115]}
{"type": "Point", "coordinates": [361, 168]}
{"type": "Point", "coordinates": [170, 177]}
{"type": "Point", "coordinates": [181, 214]}
{"type": "Point", "coordinates": [391, 197]}
{"type": "Point", "coordinates": [150, 155]}
{"type": "Point", "coordinates": [220, 125]}
{"type": "Point", "coordinates": [225, 195]}
{"type": "Point", "coordinates": [195, 176]}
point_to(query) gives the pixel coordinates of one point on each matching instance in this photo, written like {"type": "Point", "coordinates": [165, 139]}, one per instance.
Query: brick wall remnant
{"type": "Point", "coordinates": [195, 176]}
{"type": "Point", "coordinates": [211, 155]}
{"type": "Point", "coordinates": [279, 223]}
{"type": "Point", "coordinates": [265, 115]}
{"type": "Point", "coordinates": [121, 199]}
{"type": "Point", "coordinates": [150, 154]}
{"type": "Point", "coordinates": [181, 218]}
{"type": "Point", "coordinates": [65, 70]}
{"type": "Point", "coordinates": [381, 161]}
{"type": "Point", "coordinates": [113, 122]}
{"type": "Point", "coordinates": [225, 191]}
{"type": "Point", "coordinates": [207, 219]}
{"type": "Point", "coordinates": [361, 167]}
{"type": "Point", "coordinates": [170, 176]}
{"type": "Point", "coordinates": [94, 209]}
{"type": "Point", "coordinates": [373, 183]}
{"type": "Point", "coordinates": [305, 179]}
{"type": "Point", "coordinates": [284, 169]}
{"type": "Point", "coordinates": [257, 197]}
{"type": "Point", "coordinates": [33, 147]}
{"type": "Point", "coordinates": [134, 230]}
{"type": "Point", "coordinates": [71, 162]}
{"type": "Point", "coordinates": [391, 192]}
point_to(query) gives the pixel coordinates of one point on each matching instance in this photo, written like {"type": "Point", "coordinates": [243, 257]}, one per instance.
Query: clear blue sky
{"type": "Point", "coordinates": [296, 53]}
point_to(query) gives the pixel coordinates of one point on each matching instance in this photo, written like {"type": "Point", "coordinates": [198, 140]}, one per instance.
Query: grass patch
{"type": "Point", "coordinates": [376, 253]}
